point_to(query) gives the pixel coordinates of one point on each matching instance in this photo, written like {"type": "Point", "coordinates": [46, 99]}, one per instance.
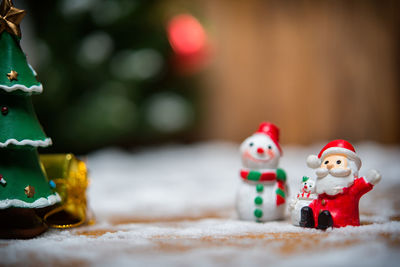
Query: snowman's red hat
{"type": "Point", "coordinates": [335, 147]}
{"type": "Point", "coordinates": [272, 131]}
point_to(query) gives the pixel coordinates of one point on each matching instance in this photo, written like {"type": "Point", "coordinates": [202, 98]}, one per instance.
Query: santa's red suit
{"type": "Point", "coordinates": [344, 206]}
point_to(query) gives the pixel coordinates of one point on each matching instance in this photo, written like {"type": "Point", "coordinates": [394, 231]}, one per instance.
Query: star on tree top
{"type": "Point", "coordinates": [10, 18]}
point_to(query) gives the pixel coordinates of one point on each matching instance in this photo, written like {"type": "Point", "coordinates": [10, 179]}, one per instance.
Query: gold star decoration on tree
{"type": "Point", "coordinates": [10, 18]}
{"type": "Point", "coordinates": [29, 191]}
{"type": "Point", "coordinates": [13, 75]}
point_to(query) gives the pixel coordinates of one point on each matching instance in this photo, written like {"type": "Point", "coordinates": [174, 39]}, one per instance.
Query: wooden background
{"type": "Point", "coordinates": [319, 70]}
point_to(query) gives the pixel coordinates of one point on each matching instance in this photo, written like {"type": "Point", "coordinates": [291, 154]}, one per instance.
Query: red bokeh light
{"type": "Point", "coordinates": [186, 35]}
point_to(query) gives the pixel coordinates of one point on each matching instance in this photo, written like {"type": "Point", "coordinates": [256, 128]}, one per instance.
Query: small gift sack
{"type": "Point", "coordinates": [68, 176]}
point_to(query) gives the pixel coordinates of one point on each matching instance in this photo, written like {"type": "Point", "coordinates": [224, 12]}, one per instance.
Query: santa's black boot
{"type": "Point", "coordinates": [307, 217]}
{"type": "Point", "coordinates": [325, 220]}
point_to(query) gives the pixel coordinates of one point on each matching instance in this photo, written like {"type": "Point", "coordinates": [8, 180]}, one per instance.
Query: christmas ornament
{"type": "Point", "coordinates": [2, 180]}
{"type": "Point", "coordinates": [190, 43]}
{"type": "Point", "coordinates": [27, 193]}
{"type": "Point", "coordinates": [4, 110]}
{"type": "Point", "coordinates": [338, 187]}
{"type": "Point", "coordinates": [13, 75]}
{"type": "Point", "coordinates": [262, 191]}
{"type": "Point", "coordinates": [70, 180]}
{"type": "Point", "coordinates": [303, 199]}
{"type": "Point", "coordinates": [52, 184]}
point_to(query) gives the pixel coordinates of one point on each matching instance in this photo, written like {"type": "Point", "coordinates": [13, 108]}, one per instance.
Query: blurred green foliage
{"type": "Point", "coordinates": [105, 66]}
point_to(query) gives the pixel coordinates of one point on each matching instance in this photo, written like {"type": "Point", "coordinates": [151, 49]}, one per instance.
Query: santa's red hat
{"type": "Point", "coordinates": [272, 131]}
{"type": "Point", "coordinates": [335, 147]}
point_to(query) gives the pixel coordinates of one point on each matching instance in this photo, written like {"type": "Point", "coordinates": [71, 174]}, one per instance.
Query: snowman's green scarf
{"type": "Point", "coordinates": [278, 175]}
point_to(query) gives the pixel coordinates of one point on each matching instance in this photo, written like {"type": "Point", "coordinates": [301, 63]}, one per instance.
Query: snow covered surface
{"type": "Point", "coordinates": [174, 206]}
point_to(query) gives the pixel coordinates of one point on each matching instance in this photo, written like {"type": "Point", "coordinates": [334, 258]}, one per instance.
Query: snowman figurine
{"type": "Point", "coordinates": [303, 199]}
{"type": "Point", "coordinates": [262, 191]}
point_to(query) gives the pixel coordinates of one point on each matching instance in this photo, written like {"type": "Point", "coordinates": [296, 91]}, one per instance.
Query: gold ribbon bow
{"type": "Point", "coordinates": [10, 18]}
{"type": "Point", "coordinates": [70, 177]}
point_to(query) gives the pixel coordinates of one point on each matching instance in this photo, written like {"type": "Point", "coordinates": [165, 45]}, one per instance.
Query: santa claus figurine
{"type": "Point", "coordinates": [338, 187]}
{"type": "Point", "coordinates": [262, 191]}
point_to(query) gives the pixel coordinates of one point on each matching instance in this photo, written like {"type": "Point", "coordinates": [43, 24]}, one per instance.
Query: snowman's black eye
{"type": "Point", "coordinates": [310, 185]}
{"type": "Point", "coordinates": [269, 147]}
{"type": "Point", "coordinates": [326, 162]}
{"type": "Point", "coordinates": [251, 144]}
{"type": "Point", "coordinates": [4, 110]}
{"type": "Point", "coordinates": [339, 161]}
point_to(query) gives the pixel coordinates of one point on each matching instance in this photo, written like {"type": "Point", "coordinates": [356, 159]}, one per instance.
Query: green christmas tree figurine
{"type": "Point", "coordinates": [25, 192]}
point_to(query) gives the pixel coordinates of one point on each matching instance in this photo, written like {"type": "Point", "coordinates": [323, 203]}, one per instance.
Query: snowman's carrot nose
{"type": "Point", "coordinates": [260, 150]}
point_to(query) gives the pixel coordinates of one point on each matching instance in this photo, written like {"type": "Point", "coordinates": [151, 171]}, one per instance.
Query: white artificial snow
{"type": "Point", "coordinates": [26, 142]}
{"type": "Point", "coordinates": [31, 89]}
{"type": "Point", "coordinates": [135, 194]}
{"type": "Point", "coordinates": [164, 182]}
{"type": "Point", "coordinates": [39, 203]}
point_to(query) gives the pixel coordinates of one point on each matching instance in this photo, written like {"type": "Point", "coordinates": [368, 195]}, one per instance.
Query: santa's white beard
{"type": "Point", "coordinates": [333, 181]}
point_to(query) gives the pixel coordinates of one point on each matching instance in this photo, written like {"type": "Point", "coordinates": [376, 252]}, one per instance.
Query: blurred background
{"type": "Point", "coordinates": [132, 73]}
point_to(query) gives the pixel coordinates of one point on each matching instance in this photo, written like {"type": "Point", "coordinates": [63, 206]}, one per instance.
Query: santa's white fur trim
{"type": "Point", "coordinates": [313, 161]}
{"type": "Point", "coordinates": [26, 142]}
{"type": "Point", "coordinates": [39, 203]}
{"type": "Point", "coordinates": [32, 89]}
{"type": "Point", "coordinates": [348, 153]}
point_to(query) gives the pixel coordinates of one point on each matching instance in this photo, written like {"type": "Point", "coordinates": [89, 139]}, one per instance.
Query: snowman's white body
{"type": "Point", "coordinates": [303, 199]}
{"type": "Point", "coordinates": [247, 191]}
{"type": "Point", "coordinates": [245, 202]}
